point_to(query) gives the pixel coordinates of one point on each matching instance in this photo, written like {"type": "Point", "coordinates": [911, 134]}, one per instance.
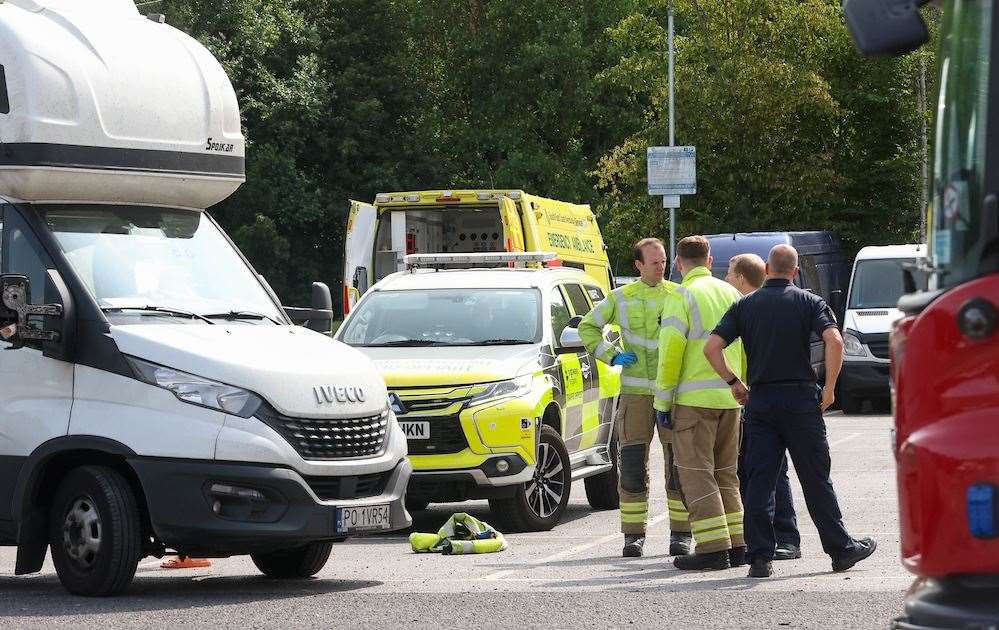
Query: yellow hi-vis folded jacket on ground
{"type": "Point", "coordinates": [689, 315]}
{"type": "Point", "coordinates": [635, 308]}
{"type": "Point", "coordinates": [461, 534]}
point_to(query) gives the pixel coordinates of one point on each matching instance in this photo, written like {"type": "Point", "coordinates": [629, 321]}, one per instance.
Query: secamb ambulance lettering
{"type": "Point", "coordinates": [562, 241]}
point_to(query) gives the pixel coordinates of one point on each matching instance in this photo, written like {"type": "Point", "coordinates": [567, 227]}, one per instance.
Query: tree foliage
{"type": "Point", "coordinates": [346, 98]}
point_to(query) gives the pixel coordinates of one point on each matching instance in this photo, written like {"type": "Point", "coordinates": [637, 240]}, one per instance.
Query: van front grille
{"type": "Point", "coordinates": [330, 438]}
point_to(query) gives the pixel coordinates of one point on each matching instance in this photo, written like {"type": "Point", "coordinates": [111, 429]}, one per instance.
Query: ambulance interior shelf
{"type": "Point", "coordinates": [468, 229]}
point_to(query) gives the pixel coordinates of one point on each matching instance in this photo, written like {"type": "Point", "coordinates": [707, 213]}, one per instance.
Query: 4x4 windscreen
{"type": "Point", "coordinates": [879, 283]}
{"type": "Point", "coordinates": [446, 317]}
{"type": "Point", "coordinates": [156, 263]}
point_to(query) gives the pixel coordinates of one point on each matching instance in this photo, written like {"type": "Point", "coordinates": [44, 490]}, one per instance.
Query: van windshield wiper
{"type": "Point", "coordinates": [504, 342]}
{"type": "Point", "coordinates": [232, 315]}
{"type": "Point", "coordinates": [409, 342]}
{"type": "Point", "coordinates": [173, 312]}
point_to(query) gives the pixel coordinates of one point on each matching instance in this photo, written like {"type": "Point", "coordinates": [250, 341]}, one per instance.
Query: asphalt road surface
{"type": "Point", "coordinates": [570, 577]}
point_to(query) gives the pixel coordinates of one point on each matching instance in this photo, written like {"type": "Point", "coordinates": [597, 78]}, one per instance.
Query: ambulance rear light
{"type": "Point", "coordinates": [412, 198]}
{"type": "Point", "coordinates": [484, 196]}
{"type": "Point", "coordinates": [514, 194]}
{"type": "Point", "coordinates": [382, 198]}
{"type": "Point", "coordinates": [448, 196]}
{"type": "Point", "coordinates": [481, 258]}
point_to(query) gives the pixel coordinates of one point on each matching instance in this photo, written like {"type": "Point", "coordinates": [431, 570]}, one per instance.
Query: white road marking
{"type": "Point", "coordinates": [565, 553]}
{"type": "Point", "coordinates": [845, 439]}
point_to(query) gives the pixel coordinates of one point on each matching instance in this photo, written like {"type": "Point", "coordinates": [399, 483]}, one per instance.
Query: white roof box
{"type": "Point", "coordinates": [101, 104]}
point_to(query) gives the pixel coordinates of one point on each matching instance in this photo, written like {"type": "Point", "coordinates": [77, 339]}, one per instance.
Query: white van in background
{"type": "Point", "coordinates": [876, 284]}
{"type": "Point", "coordinates": [154, 394]}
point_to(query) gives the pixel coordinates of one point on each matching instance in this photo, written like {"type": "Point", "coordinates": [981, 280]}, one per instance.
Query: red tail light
{"type": "Point", "coordinates": [346, 299]}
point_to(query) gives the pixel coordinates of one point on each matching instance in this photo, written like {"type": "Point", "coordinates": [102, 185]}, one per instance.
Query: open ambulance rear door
{"type": "Point", "coordinates": [359, 250]}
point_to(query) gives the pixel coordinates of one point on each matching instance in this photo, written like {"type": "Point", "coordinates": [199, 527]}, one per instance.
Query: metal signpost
{"type": "Point", "coordinates": [672, 170]}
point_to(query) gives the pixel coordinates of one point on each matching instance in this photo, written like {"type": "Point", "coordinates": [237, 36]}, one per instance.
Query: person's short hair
{"type": "Point", "coordinates": [636, 252]}
{"type": "Point", "coordinates": [694, 250]}
{"type": "Point", "coordinates": [751, 267]}
{"type": "Point", "coordinates": [783, 259]}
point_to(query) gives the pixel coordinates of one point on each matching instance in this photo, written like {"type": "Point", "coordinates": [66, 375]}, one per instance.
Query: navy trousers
{"type": "Point", "coordinates": [779, 417]}
{"type": "Point", "coordinates": [785, 519]}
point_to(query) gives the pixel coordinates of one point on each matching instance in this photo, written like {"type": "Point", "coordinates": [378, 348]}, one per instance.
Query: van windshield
{"type": "Point", "coordinates": [165, 262]}
{"type": "Point", "coordinates": [446, 317]}
{"type": "Point", "coordinates": [879, 283]}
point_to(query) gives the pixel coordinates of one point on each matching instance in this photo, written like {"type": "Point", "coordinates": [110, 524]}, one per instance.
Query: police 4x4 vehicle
{"type": "Point", "coordinates": [495, 392]}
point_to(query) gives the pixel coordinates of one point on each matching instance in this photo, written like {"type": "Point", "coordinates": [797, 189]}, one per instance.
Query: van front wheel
{"type": "Point", "coordinates": [300, 562]}
{"type": "Point", "coordinates": [95, 532]}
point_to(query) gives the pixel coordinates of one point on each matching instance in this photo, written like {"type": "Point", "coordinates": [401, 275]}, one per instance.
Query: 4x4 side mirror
{"type": "Point", "coordinates": [57, 325]}
{"type": "Point", "coordinates": [570, 334]}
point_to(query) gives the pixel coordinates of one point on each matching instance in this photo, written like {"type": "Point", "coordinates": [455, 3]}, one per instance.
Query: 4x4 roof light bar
{"type": "Point", "coordinates": [478, 258]}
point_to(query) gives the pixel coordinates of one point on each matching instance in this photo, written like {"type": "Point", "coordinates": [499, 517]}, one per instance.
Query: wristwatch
{"type": "Point", "coordinates": [732, 381]}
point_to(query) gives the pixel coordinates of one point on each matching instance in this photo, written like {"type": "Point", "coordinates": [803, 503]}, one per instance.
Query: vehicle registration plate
{"type": "Point", "coordinates": [368, 517]}
{"type": "Point", "coordinates": [416, 430]}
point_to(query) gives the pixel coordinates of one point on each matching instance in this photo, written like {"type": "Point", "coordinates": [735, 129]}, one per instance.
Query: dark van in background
{"type": "Point", "coordinates": [824, 269]}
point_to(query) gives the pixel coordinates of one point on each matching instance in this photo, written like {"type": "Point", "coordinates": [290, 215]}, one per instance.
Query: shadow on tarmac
{"type": "Point", "coordinates": [45, 597]}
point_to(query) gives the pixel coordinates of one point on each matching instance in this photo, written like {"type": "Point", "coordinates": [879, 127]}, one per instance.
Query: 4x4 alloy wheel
{"type": "Point", "coordinates": [538, 504]}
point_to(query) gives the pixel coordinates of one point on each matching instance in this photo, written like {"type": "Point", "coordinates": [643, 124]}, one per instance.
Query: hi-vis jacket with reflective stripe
{"type": "Point", "coordinates": [689, 315]}
{"type": "Point", "coordinates": [636, 308]}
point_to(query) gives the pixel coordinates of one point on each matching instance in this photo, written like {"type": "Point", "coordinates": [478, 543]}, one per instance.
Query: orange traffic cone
{"type": "Point", "coordinates": [185, 562]}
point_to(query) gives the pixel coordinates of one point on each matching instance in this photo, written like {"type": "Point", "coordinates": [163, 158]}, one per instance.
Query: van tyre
{"type": "Point", "coordinates": [299, 562]}
{"type": "Point", "coordinates": [851, 405]}
{"type": "Point", "coordinates": [95, 532]}
{"type": "Point", "coordinates": [538, 504]}
{"type": "Point", "coordinates": [601, 490]}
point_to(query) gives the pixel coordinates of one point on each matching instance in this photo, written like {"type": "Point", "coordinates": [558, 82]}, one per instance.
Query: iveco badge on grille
{"type": "Point", "coordinates": [329, 394]}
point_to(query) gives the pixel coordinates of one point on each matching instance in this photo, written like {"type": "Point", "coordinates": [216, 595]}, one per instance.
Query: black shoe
{"type": "Point", "coordinates": [787, 551]}
{"type": "Point", "coordinates": [737, 556]}
{"type": "Point", "coordinates": [702, 561]}
{"type": "Point", "coordinates": [633, 544]}
{"type": "Point", "coordinates": [680, 544]}
{"type": "Point", "coordinates": [761, 569]}
{"type": "Point", "coordinates": [862, 549]}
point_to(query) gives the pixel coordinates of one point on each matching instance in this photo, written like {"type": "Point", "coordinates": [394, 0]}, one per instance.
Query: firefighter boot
{"type": "Point", "coordinates": [633, 544]}
{"type": "Point", "coordinates": [761, 568]}
{"type": "Point", "coordinates": [680, 544]}
{"type": "Point", "coordinates": [714, 561]}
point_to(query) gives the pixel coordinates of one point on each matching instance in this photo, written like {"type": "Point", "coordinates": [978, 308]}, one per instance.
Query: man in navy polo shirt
{"type": "Point", "coordinates": [784, 407]}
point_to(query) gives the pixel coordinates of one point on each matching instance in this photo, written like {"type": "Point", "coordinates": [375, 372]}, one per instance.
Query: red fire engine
{"type": "Point", "coordinates": [945, 352]}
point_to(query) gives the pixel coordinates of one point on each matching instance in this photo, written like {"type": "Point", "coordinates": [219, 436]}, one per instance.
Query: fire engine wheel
{"type": "Point", "coordinates": [601, 490]}
{"type": "Point", "coordinates": [95, 532]}
{"type": "Point", "coordinates": [538, 504]}
{"type": "Point", "coordinates": [299, 562]}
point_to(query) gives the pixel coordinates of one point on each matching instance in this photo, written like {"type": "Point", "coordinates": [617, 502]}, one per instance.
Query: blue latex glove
{"type": "Point", "coordinates": [664, 419]}
{"type": "Point", "coordinates": [625, 359]}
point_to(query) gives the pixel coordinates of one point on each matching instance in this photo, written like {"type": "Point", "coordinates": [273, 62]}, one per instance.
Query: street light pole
{"type": "Point", "coordinates": [672, 210]}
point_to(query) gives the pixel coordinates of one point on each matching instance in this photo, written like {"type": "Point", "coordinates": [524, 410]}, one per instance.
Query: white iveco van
{"type": "Point", "coordinates": [154, 395]}
{"type": "Point", "coordinates": [876, 285]}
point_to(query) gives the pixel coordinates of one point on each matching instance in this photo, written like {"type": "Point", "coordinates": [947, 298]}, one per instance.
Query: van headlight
{"type": "Point", "coordinates": [852, 346]}
{"type": "Point", "coordinates": [197, 390]}
{"type": "Point", "coordinates": [513, 388]}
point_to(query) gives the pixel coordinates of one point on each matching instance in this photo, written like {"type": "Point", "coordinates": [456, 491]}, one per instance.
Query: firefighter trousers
{"type": "Point", "coordinates": [635, 426]}
{"type": "Point", "coordinates": [706, 447]}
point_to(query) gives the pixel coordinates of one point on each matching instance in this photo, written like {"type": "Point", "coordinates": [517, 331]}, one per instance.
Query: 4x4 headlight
{"type": "Point", "coordinates": [852, 345]}
{"type": "Point", "coordinates": [197, 390]}
{"type": "Point", "coordinates": [513, 388]}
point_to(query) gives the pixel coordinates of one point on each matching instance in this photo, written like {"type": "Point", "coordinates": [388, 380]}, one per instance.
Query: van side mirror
{"type": "Point", "coordinates": [885, 27]}
{"type": "Point", "coordinates": [16, 306]}
{"type": "Point", "coordinates": [322, 305]}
